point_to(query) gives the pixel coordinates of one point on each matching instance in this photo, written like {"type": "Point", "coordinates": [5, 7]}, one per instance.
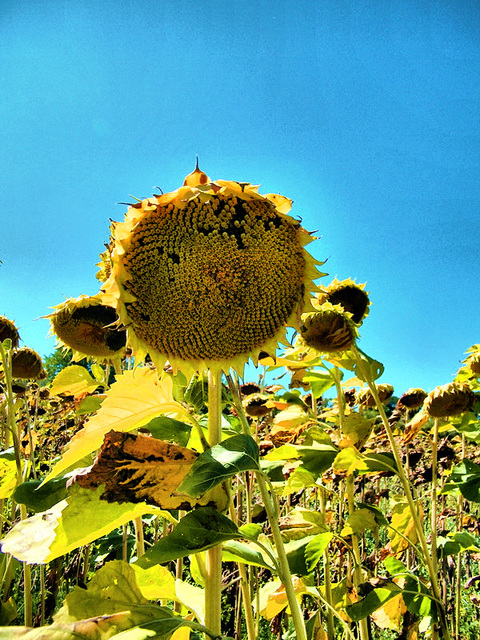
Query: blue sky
{"type": "Point", "coordinates": [366, 113]}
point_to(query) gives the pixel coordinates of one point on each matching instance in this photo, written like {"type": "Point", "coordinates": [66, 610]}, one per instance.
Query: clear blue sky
{"type": "Point", "coordinates": [365, 112]}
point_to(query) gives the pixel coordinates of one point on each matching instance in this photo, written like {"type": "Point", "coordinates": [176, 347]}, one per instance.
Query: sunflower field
{"type": "Point", "coordinates": [149, 490]}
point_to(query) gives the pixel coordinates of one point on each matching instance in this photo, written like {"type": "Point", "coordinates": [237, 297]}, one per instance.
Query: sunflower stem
{"type": "Point", "coordinates": [213, 557]}
{"type": "Point", "coordinates": [365, 370]}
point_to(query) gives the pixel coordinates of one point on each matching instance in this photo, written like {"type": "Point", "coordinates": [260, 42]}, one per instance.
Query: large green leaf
{"type": "Point", "coordinates": [466, 478]}
{"type": "Point", "coordinates": [231, 456]}
{"type": "Point", "coordinates": [240, 552]}
{"type": "Point", "coordinates": [40, 497]}
{"type": "Point", "coordinates": [80, 519]}
{"type": "Point", "coordinates": [372, 601]}
{"type": "Point", "coordinates": [169, 429]}
{"type": "Point", "coordinates": [197, 531]}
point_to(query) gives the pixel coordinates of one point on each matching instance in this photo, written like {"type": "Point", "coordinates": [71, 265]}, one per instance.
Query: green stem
{"type": "Point", "coordinates": [327, 575]}
{"type": "Point", "coordinates": [366, 373]}
{"type": "Point", "coordinates": [285, 576]}
{"type": "Point", "coordinates": [213, 557]}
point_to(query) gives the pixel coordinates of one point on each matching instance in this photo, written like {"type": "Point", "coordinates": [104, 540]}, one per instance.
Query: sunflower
{"type": "Point", "coordinates": [365, 397]}
{"type": "Point", "coordinates": [84, 325]}
{"type": "Point", "coordinates": [209, 275]}
{"type": "Point", "coordinates": [351, 296]}
{"type": "Point", "coordinates": [328, 330]}
{"type": "Point", "coordinates": [449, 400]}
{"type": "Point", "coordinates": [27, 364]}
{"type": "Point", "coordinates": [8, 330]}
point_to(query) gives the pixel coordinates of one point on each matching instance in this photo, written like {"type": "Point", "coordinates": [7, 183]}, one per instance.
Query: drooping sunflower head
{"type": "Point", "coordinates": [211, 274]}
{"type": "Point", "coordinates": [329, 329]}
{"type": "Point", "coordinates": [449, 400]}
{"type": "Point", "coordinates": [8, 330]}
{"type": "Point", "coordinates": [472, 362]}
{"type": "Point", "coordinates": [365, 397]}
{"type": "Point", "coordinates": [412, 398]}
{"type": "Point", "coordinates": [351, 296]}
{"type": "Point", "coordinates": [27, 364]}
{"type": "Point", "coordinates": [84, 325]}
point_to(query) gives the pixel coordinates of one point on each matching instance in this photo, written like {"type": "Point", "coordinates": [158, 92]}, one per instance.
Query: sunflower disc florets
{"type": "Point", "coordinates": [449, 400]}
{"type": "Point", "coordinates": [351, 296]}
{"type": "Point", "coordinates": [328, 330]}
{"type": "Point", "coordinates": [84, 325]}
{"type": "Point", "coordinates": [210, 275]}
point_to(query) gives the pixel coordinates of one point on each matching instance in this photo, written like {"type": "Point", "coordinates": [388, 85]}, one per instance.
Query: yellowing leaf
{"type": "Point", "coordinates": [273, 597]}
{"type": "Point", "coordinates": [136, 468]}
{"type": "Point", "coordinates": [132, 401]}
{"type": "Point", "coordinates": [155, 583]}
{"type": "Point", "coordinates": [402, 528]}
{"type": "Point", "coordinates": [8, 474]}
{"type": "Point", "coordinates": [74, 380]}
{"type": "Point", "coordinates": [349, 460]}
{"type": "Point", "coordinates": [356, 429]}
{"type": "Point", "coordinates": [70, 524]}
{"type": "Point", "coordinates": [192, 597]}
{"type": "Point", "coordinates": [358, 522]}
{"type": "Point", "coordinates": [414, 426]}
{"type": "Point", "coordinates": [390, 614]}
{"type": "Point", "coordinates": [292, 417]}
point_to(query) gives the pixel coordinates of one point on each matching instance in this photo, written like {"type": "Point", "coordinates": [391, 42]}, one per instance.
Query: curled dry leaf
{"type": "Point", "coordinates": [136, 468]}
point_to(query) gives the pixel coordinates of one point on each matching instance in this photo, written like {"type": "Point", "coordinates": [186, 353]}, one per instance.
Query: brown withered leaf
{"type": "Point", "coordinates": [137, 468]}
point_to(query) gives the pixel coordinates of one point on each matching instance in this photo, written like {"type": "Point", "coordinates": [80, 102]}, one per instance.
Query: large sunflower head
{"type": "Point", "coordinates": [84, 325]}
{"type": "Point", "coordinates": [448, 400]}
{"type": "Point", "coordinates": [211, 274]}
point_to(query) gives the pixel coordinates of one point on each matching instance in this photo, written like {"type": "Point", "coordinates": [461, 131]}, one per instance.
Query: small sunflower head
{"type": "Point", "coordinates": [351, 296]}
{"type": "Point", "coordinates": [27, 364]}
{"type": "Point", "coordinates": [84, 325]}
{"type": "Point", "coordinates": [328, 330]}
{"type": "Point", "coordinates": [365, 397]}
{"type": "Point", "coordinates": [8, 330]}
{"type": "Point", "coordinates": [449, 400]}
{"type": "Point", "coordinates": [472, 362]}
{"type": "Point", "coordinates": [255, 405]}
{"type": "Point", "coordinates": [210, 275]}
{"type": "Point", "coordinates": [412, 398]}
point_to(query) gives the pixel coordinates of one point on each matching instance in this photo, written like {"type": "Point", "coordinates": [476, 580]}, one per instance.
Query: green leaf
{"type": "Point", "coordinates": [358, 522]}
{"type": "Point", "coordinates": [372, 601]}
{"type": "Point", "coordinates": [97, 372]}
{"type": "Point", "coordinates": [8, 473]}
{"type": "Point", "coordinates": [169, 429]}
{"type": "Point", "coordinates": [90, 404]}
{"type": "Point", "coordinates": [319, 382]}
{"type": "Point", "coordinates": [235, 551]}
{"type": "Point", "coordinates": [295, 550]}
{"type": "Point", "coordinates": [73, 380]}
{"type": "Point", "coordinates": [38, 497]}
{"type": "Point", "coordinates": [197, 531]}
{"type": "Point", "coordinates": [466, 478]}
{"type": "Point", "coordinates": [112, 589]}
{"type": "Point", "coordinates": [315, 549]}
{"type": "Point", "coordinates": [76, 521]}
{"type": "Point", "coordinates": [233, 455]}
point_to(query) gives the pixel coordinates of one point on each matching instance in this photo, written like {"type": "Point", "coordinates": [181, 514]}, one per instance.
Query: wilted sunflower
{"type": "Point", "coordinates": [8, 330]}
{"type": "Point", "coordinates": [412, 398]}
{"type": "Point", "coordinates": [329, 330]}
{"type": "Point", "coordinates": [351, 296]}
{"type": "Point", "coordinates": [209, 275]}
{"type": "Point", "coordinates": [84, 325]}
{"type": "Point", "coordinates": [27, 364]}
{"type": "Point", "coordinates": [472, 362]}
{"type": "Point", "coordinates": [449, 400]}
{"type": "Point", "coordinates": [365, 397]}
